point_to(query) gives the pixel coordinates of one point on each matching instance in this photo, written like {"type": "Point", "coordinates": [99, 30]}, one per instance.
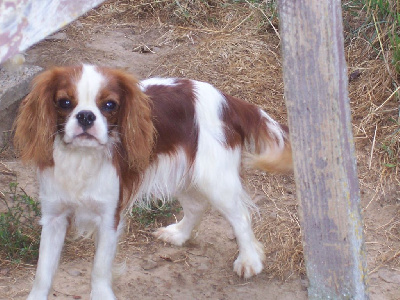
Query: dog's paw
{"type": "Point", "coordinates": [250, 264]}
{"type": "Point", "coordinates": [37, 296]}
{"type": "Point", "coordinates": [102, 293]}
{"type": "Point", "coordinates": [172, 234]}
{"type": "Point", "coordinates": [247, 267]}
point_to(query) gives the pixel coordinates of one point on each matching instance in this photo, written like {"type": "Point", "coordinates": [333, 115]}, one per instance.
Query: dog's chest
{"type": "Point", "coordinates": [83, 178]}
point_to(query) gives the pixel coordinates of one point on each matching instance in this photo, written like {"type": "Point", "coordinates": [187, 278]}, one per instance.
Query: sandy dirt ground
{"type": "Point", "coordinates": [202, 269]}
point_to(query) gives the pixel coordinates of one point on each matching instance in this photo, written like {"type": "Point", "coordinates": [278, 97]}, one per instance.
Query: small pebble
{"type": "Point", "coordinates": [74, 272]}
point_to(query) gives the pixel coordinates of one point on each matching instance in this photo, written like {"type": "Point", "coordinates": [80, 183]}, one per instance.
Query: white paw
{"type": "Point", "coordinates": [37, 296]}
{"type": "Point", "coordinates": [250, 264]}
{"type": "Point", "coordinates": [172, 234]}
{"type": "Point", "coordinates": [102, 293]}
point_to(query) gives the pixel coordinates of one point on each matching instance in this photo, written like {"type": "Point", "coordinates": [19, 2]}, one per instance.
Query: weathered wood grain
{"type": "Point", "coordinates": [316, 92]}
{"type": "Point", "coordinates": [25, 22]}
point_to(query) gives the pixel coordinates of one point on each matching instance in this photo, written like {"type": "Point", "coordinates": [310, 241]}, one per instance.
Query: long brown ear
{"type": "Point", "coordinates": [35, 125]}
{"type": "Point", "coordinates": [136, 130]}
{"type": "Point", "coordinates": [135, 123]}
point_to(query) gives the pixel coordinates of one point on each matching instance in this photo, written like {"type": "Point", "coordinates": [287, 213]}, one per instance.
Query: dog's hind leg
{"type": "Point", "coordinates": [221, 183]}
{"type": "Point", "coordinates": [231, 203]}
{"type": "Point", "coordinates": [194, 204]}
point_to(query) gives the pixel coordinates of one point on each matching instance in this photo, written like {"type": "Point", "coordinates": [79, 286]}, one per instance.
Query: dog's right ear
{"type": "Point", "coordinates": [36, 122]}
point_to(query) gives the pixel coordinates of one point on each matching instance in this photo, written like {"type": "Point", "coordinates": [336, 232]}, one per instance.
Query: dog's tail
{"type": "Point", "coordinates": [268, 147]}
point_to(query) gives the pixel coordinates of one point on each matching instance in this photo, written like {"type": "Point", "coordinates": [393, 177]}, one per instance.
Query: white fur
{"type": "Point", "coordinates": [166, 177]}
{"type": "Point", "coordinates": [157, 81]}
{"type": "Point", "coordinates": [83, 186]}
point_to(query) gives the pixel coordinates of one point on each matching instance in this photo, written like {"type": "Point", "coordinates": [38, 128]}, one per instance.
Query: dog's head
{"type": "Point", "coordinates": [86, 106]}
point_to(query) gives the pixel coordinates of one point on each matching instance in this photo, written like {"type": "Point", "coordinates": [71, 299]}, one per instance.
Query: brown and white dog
{"type": "Point", "coordinates": [102, 141]}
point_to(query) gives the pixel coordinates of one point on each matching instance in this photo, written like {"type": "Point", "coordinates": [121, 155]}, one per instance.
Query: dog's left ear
{"type": "Point", "coordinates": [135, 127]}
{"type": "Point", "coordinates": [135, 123]}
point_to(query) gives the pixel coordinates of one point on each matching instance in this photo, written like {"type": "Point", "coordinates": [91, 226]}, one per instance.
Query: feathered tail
{"type": "Point", "coordinates": [270, 150]}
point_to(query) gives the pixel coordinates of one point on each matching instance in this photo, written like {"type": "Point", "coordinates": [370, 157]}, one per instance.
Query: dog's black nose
{"type": "Point", "coordinates": [85, 118]}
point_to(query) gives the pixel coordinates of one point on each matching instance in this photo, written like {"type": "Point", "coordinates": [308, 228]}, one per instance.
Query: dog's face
{"type": "Point", "coordinates": [86, 106]}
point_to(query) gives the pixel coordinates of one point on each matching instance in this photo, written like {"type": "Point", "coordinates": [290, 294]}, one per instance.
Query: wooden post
{"type": "Point", "coordinates": [315, 78]}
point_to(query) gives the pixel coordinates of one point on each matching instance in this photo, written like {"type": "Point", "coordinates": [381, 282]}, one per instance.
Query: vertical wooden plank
{"type": "Point", "coordinates": [25, 22]}
{"type": "Point", "coordinates": [315, 78]}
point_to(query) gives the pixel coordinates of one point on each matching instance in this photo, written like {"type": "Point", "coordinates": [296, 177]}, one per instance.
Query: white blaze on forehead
{"type": "Point", "coordinates": [89, 85]}
{"type": "Point", "coordinates": [88, 88]}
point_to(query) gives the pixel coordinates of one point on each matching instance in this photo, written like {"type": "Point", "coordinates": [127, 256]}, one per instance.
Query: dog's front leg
{"type": "Point", "coordinates": [51, 243]}
{"type": "Point", "coordinates": [106, 245]}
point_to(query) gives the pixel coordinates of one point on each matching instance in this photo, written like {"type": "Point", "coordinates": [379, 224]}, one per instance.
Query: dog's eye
{"type": "Point", "coordinates": [109, 106]}
{"type": "Point", "coordinates": [64, 103]}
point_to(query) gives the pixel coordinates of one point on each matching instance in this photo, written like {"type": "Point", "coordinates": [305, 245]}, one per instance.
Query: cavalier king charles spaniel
{"type": "Point", "coordinates": [103, 141]}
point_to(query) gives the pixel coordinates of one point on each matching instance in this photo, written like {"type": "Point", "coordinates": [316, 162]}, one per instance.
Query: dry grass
{"type": "Point", "coordinates": [375, 106]}
{"type": "Point", "coordinates": [374, 95]}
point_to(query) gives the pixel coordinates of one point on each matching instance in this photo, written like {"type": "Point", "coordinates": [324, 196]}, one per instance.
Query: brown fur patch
{"type": "Point", "coordinates": [243, 122]}
{"type": "Point", "coordinates": [37, 120]}
{"type": "Point", "coordinates": [173, 117]}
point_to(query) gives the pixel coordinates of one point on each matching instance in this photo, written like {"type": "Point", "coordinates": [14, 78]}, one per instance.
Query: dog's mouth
{"type": "Point", "coordinates": [84, 139]}
{"type": "Point", "coordinates": [85, 135]}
